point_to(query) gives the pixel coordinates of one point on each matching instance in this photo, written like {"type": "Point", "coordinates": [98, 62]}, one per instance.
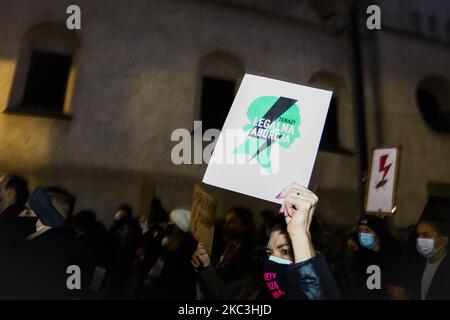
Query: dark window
{"type": "Point", "coordinates": [330, 134]}
{"type": "Point", "coordinates": [417, 21]}
{"type": "Point", "coordinates": [46, 82]}
{"type": "Point", "coordinates": [448, 30]}
{"type": "Point", "coordinates": [433, 113]}
{"type": "Point", "coordinates": [433, 25]}
{"type": "Point", "coordinates": [217, 98]}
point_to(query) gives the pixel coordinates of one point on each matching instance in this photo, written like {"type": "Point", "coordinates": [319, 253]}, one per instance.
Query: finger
{"type": "Point", "coordinates": [288, 219]}
{"type": "Point", "coordinates": [299, 204]}
{"type": "Point", "coordinates": [283, 193]}
{"type": "Point", "coordinates": [194, 262]}
{"type": "Point", "coordinates": [290, 212]}
{"type": "Point", "coordinates": [299, 188]}
{"type": "Point", "coordinates": [300, 200]}
{"type": "Point", "coordinates": [302, 193]}
{"type": "Point", "coordinates": [302, 190]}
{"type": "Point", "coordinates": [198, 260]}
{"type": "Point", "coordinates": [201, 245]}
{"type": "Point", "coordinates": [312, 210]}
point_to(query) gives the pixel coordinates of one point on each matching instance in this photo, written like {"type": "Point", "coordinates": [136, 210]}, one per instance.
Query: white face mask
{"type": "Point", "coordinates": [279, 260]}
{"type": "Point", "coordinates": [425, 247]}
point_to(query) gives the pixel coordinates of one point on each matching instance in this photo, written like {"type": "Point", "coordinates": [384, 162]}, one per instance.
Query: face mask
{"type": "Point", "coordinates": [275, 270]}
{"type": "Point", "coordinates": [426, 247]}
{"type": "Point", "coordinates": [117, 217]}
{"type": "Point", "coordinates": [367, 240]}
{"type": "Point", "coordinates": [144, 230]}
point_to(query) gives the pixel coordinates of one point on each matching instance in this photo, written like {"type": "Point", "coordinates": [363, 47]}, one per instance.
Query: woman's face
{"type": "Point", "coordinates": [279, 246]}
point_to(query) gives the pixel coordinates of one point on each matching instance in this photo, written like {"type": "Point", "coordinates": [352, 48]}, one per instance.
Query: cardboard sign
{"type": "Point", "coordinates": [270, 138]}
{"type": "Point", "coordinates": [203, 217]}
{"type": "Point", "coordinates": [382, 183]}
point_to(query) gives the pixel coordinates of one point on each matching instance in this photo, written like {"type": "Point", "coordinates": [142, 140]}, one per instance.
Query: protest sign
{"type": "Point", "coordinates": [382, 182]}
{"type": "Point", "coordinates": [270, 138]}
{"type": "Point", "coordinates": [203, 217]}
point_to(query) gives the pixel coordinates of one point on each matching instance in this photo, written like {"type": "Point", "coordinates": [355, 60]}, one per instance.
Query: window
{"type": "Point", "coordinates": [417, 22]}
{"type": "Point", "coordinates": [433, 100]}
{"type": "Point", "coordinates": [219, 77]}
{"type": "Point", "coordinates": [432, 22]}
{"type": "Point", "coordinates": [217, 97]}
{"type": "Point", "coordinates": [330, 134]}
{"type": "Point", "coordinates": [337, 135]}
{"type": "Point", "coordinates": [448, 30]}
{"type": "Point", "coordinates": [45, 72]}
{"type": "Point", "coordinates": [45, 87]}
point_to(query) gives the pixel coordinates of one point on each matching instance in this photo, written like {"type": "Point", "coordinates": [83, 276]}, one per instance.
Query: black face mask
{"type": "Point", "coordinates": [275, 277]}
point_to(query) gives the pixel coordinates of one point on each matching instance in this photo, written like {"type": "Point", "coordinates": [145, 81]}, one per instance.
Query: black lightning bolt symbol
{"type": "Point", "coordinates": [279, 107]}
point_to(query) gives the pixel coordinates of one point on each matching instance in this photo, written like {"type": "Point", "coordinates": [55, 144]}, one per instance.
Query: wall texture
{"type": "Point", "coordinates": [137, 80]}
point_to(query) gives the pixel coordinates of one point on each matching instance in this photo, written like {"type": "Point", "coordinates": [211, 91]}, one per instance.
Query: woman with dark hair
{"type": "Point", "coordinates": [428, 273]}
{"type": "Point", "coordinates": [227, 276]}
{"type": "Point", "coordinates": [295, 270]}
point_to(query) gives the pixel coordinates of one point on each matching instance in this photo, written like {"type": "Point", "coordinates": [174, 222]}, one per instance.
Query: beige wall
{"type": "Point", "coordinates": [137, 81]}
{"type": "Point", "coordinates": [425, 153]}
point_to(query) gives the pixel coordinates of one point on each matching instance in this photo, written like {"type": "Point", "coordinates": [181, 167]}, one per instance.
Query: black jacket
{"type": "Point", "coordinates": [226, 282]}
{"type": "Point", "coordinates": [13, 228]}
{"type": "Point", "coordinates": [385, 260]}
{"type": "Point", "coordinates": [412, 280]}
{"type": "Point", "coordinates": [312, 280]}
{"type": "Point", "coordinates": [41, 267]}
{"type": "Point", "coordinates": [177, 279]}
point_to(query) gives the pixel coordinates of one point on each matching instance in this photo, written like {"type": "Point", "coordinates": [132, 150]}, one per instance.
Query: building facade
{"type": "Point", "coordinates": [136, 71]}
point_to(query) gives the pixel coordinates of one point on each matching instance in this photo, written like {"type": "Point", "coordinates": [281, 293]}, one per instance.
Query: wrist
{"type": "Point", "coordinates": [300, 235]}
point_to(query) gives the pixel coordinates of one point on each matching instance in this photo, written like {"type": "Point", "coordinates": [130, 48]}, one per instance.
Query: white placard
{"type": "Point", "coordinates": [381, 189]}
{"type": "Point", "coordinates": [270, 138]}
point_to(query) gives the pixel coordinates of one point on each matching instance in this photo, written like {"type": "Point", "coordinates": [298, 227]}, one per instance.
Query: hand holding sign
{"type": "Point", "coordinates": [271, 135]}
{"type": "Point", "coordinates": [298, 208]}
{"type": "Point", "coordinates": [203, 217]}
{"type": "Point", "coordinates": [201, 258]}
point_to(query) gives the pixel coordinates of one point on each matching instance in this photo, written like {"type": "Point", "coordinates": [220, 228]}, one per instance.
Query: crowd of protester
{"type": "Point", "coordinates": [292, 255]}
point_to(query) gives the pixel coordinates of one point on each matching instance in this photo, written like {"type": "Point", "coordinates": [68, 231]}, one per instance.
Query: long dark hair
{"type": "Point", "coordinates": [320, 235]}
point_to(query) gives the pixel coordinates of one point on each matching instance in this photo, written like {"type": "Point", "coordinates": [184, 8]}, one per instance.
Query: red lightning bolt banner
{"type": "Point", "coordinates": [382, 183]}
